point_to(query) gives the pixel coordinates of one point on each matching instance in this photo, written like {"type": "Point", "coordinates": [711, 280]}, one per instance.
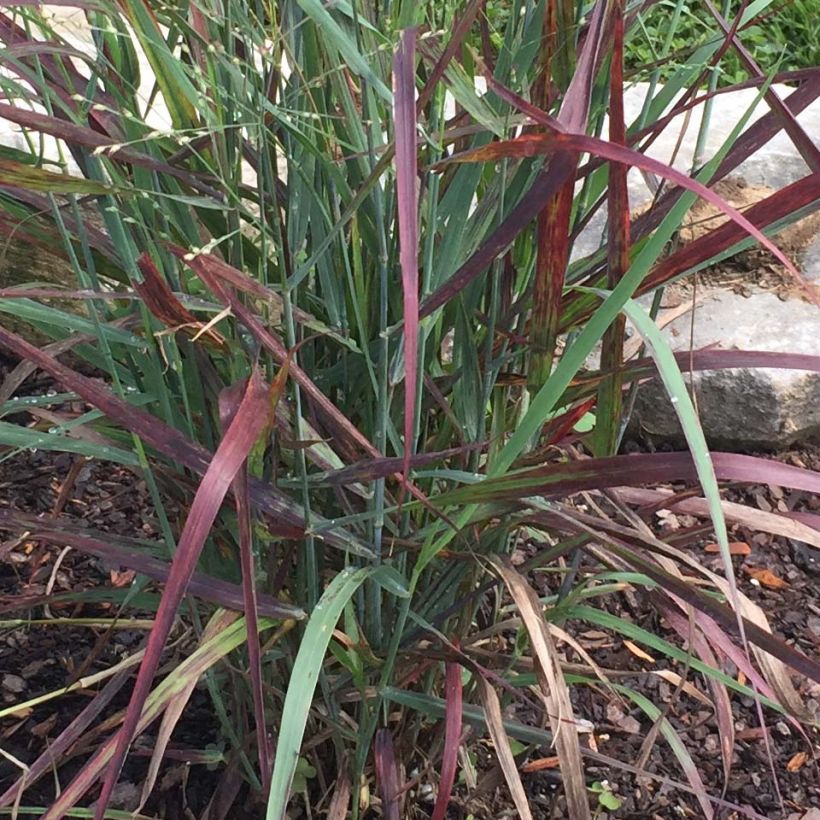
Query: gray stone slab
{"type": "Point", "coordinates": [743, 408]}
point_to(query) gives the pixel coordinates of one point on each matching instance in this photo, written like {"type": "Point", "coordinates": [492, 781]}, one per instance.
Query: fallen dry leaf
{"type": "Point", "coordinates": [122, 579]}
{"type": "Point", "coordinates": [767, 578]}
{"type": "Point", "coordinates": [735, 548]}
{"type": "Point", "coordinates": [540, 764]}
{"type": "Point", "coordinates": [797, 762]}
{"type": "Point", "coordinates": [638, 652]}
{"type": "Point", "coordinates": [675, 679]}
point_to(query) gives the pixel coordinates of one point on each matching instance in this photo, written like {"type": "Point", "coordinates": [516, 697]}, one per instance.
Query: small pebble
{"type": "Point", "coordinates": [13, 683]}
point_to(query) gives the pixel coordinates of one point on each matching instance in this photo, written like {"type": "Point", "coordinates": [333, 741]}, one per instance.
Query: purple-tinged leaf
{"type": "Point", "coordinates": [376, 468]}
{"type": "Point", "coordinates": [704, 359]}
{"type": "Point", "coordinates": [193, 667]}
{"type": "Point", "coordinates": [404, 117]}
{"type": "Point", "coordinates": [723, 616]}
{"type": "Point", "coordinates": [460, 31]}
{"type": "Point", "coordinates": [104, 546]}
{"type": "Point", "coordinates": [716, 359]}
{"type": "Point", "coordinates": [387, 774]}
{"type": "Point", "coordinates": [346, 435]}
{"type": "Point", "coordinates": [285, 518]}
{"type": "Point", "coordinates": [531, 145]}
{"type": "Point", "coordinates": [175, 706]}
{"type": "Point", "coordinates": [62, 79]}
{"type": "Point", "coordinates": [552, 234]}
{"type": "Point", "coordinates": [574, 109]}
{"type": "Point", "coordinates": [163, 303]}
{"type": "Point", "coordinates": [563, 479]}
{"type": "Point", "coordinates": [532, 111]}
{"type": "Point", "coordinates": [720, 695]}
{"type": "Point", "coordinates": [345, 432]}
{"type": "Point", "coordinates": [452, 737]}
{"type": "Point", "coordinates": [778, 205]}
{"type": "Point", "coordinates": [229, 403]}
{"type": "Point", "coordinates": [752, 139]}
{"type": "Point", "coordinates": [79, 135]}
{"type": "Point", "coordinates": [223, 272]}
{"type": "Point", "coordinates": [546, 184]}
{"type": "Point", "coordinates": [250, 420]}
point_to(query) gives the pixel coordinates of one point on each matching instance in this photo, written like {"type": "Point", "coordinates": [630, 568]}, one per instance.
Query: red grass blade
{"type": "Point", "coordinates": [553, 237]}
{"type": "Point", "coordinates": [229, 403]}
{"type": "Point", "coordinates": [62, 78]}
{"type": "Point", "coordinates": [556, 480]}
{"type": "Point", "coordinates": [752, 139]}
{"type": "Point", "coordinates": [452, 737]}
{"type": "Point", "coordinates": [720, 695]}
{"type": "Point", "coordinates": [460, 31]}
{"type": "Point", "coordinates": [387, 774]}
{"type": "Point", "coordinates": [375, 468]}
{"type": "Point", "coordinates": [543, 189]}
{"type": "Point", "coordinates": [163, 303]}
{"type": "Point", "coordinates": [794, 197]}
{"type": "Point", "coordinates": [346, 433]}
{"type": "Point", "coordinates": [285, 518]}
{"type": "Point", "coordinates": [215, 590]}
{"type": "Point", "coordinates": [530, 145]}
{"type": "Point", "coordinates": [67, 738]}
{"type": "Point", "coordinates": [251, 418]}
{"type": "Point", "coordinates": [404, 115]}
{"type": "Point", "coordinates": [724, 616]}
{"type": "Point", "coordinates": [607, 428]}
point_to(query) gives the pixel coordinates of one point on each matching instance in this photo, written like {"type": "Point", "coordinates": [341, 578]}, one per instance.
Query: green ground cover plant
{"type": "Point", "coordinates": [320, 300]}
{"type": "Point", "coordinates": [786, 35]}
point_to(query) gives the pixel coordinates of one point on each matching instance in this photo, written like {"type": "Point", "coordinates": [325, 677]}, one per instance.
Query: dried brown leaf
{"type": "Point", "coordinates": [797, 761]}
{"type": "Point", "coordinates": [735, 548]}
{"type": "Point", "coordinates": [638, 652]}
{"type": "Point", "coordinates": [767, 578]}
{"type": "Point", "coordinates": [540, 764]}
{"type": "Point", "coordinates": [495, 723]}
{"type": "Point", "coordinates": [554, 687]}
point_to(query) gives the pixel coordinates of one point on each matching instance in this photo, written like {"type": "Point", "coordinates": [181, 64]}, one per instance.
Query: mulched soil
{"type": "Point", "coordinates": [35, 660]}
{"type": "Point", "coordinates": [39, 659]}
{"type": "Point", "coordinates": [789, 596]}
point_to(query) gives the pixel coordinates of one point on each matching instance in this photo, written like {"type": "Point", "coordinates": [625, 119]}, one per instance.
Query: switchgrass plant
{"type": "Point", "coordinates": [317, 263]}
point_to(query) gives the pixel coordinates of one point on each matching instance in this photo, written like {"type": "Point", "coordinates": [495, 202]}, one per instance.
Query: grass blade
{"type": "Point", "coordinates": [303, 680]}
{"type": "Point", "coordinates": [251, 418]}
{"type": "Point", "coordinates": [495, 725]}
{"type": "Point", "coordinates": [404, 114]}
{"type": "Point", "coordinates": [452, 736]}
{"type": "Point", "coordinates": [554, 689]}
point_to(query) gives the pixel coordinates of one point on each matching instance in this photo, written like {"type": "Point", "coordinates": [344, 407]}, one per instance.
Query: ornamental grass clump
{"type": "Point", "coordinates": [318, 293]}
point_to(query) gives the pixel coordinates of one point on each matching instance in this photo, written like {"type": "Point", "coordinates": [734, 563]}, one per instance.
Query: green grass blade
{"type": "Point", "coordinates": [303, 680]}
